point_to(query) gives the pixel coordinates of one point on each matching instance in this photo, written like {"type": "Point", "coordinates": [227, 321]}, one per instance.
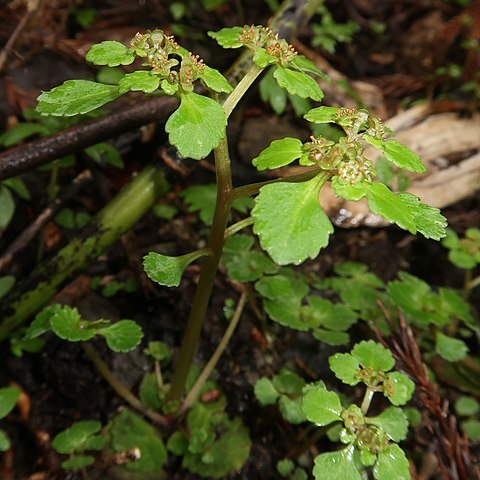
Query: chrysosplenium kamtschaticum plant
{"type": "Point", "coordinates": [287, 217]}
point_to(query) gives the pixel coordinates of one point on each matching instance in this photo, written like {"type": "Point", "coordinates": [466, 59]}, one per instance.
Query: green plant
{"type": "Point", "coordinates": [369, 441]}
{"type": "Point", "coordinates": [287, 217]}
{"type": "Point", "coordinates": [8, 399]}
{"type": "Point", "coordinates": [468, 408]}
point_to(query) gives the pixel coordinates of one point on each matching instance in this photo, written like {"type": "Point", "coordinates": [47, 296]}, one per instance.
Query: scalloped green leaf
{"type": "Point", "coordinates": [262, 59]}
{"type": "Point", "coordinates": [382, 201]}
{"type": "Point", "coordinates": [428, 220]}
{"type": "Point", "coordinates": [466, 406]}
{"type": "Point", "coordinates": [371, 354]}
{"type": "Point", "coordinates": [168, 271]}
{"type": "Point", "coordinates": [449, 348]}
{"type": "Point", "coordinates": [345, 367]}
{"type": "Point", "coordinates": [279, 153]}
{"type": "Point", "coordinates": [67, 324]}
{"type": "Point", "coordinates": [400, 155]}
{"type": "Point", "coordinates": [331, 338]}
{"type": "Point", "coordinates": [228, 37]}
{"type": "Point", "coordinates": [322, 115]}
{"type": "Point", "coordinates": [336, 466]}
{"type": "Point", "coordinates": [391, 464]}
{"type": "Point", "coordinates": [393, 422]}
{"type": "Point", "coordinates": [291, 409]}
{"type": "Point", "coordinates": [197, 126]}
{"type": "Point", "coordinates": [398, 388]}
{"type": "Point", "coordinates": [8, 400]}
{"type": "Point", "coordinates": [74, 439]}
{"type": "Point", "coordinates": [139, 81]}
{"type": "Point", "coordinates": [298, 83]}
{"type": "Point", "coordinates": [289, 221]}
{"type": "Point", "coordinates": [122, 336]}
{"type": "Point", "coordinates": [322, 406]}
{"type": "Point", "coordinates": [75, 97]}
{"type": "Point", "coordinates": [321, 312]}
{"type": "Point", "coordinates": [201, 198]}
{"type": "Point", "coordinates": [110, 53]}
{"type": "Point", "coordinates": [214, 80]}
{"type": "Point", "coordinates": [307, 65]}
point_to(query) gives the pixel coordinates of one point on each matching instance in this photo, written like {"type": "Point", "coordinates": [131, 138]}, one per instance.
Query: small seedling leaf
{"type": "Point", "coordinates": [393, 422]}
{"type": "Point", "coordinates": [73, 439]}
{"type": "Point", "coordinates": [291, 409]}
{"type": "Point", "coordinates": [288, 383]}
{"type": "Point", "coordinates": [110, 53]}
{"type": "Point", "coordinates": [41, 322]}
{"type": "Point", "coordinates": [331, 338]}
{"type": "Point", "coordinates": [279, 153]}
{"type": "Point", "coordinates": [321, 406]}
{"type": "Point", "coordinates": [298, 83]}
{"type": "Point", "coordinates": [300, 230]}
{"type": "Point", "coordinates": [285, 467]}
{"type": "Point", "coordinates": [122, 336]}
{"type": "Point", "coordinates": [201, 198]}
{"type": "Point", "coordinates": [80, 461]}
{"type": "Point", "coordinates": [371, 354]}
{"type": "Point", "coordinates": [68, 325]}
{"type": "Point", "coordinates": [321, 312]}
{"type": "Point", "coordinates": [105, 153]}
{"type": "Point", "coordinates": [149, 392]}
{"type": "Point", "coordinates": [466, 406]}
{"type": "Point", "coordinates": [8, 400]}
{"type": "Point", "coordinates": [159, 351]}
{"type": "Point", "coordinates": [472, 429]}
{"type": "Point", "coordinates": [227, 37]}
{"type": "Point", "coordinates": [167, 270]}
{"type": "Point", "coordinates": [197, 126]}
{"type": "Point", "coordinates": [4, 441]}
{"type": "Point", "coordinates": [398, 388]}
{"type": "Point", "coordinates": [336, 466]}
{"type": "Point", "coordinates": [215, 81]}
{"type": "Point", "coordinates": [345, 367]}
{"type": "Point", "coordinates": [401, 156]}
{"type": "Point", "coordinates": [391, 463]}
{"type": "Point", "coordinates": [265, 392]}
{"type": "Point", "coordinates": [322, 115]}
{"type": "Point", "coordinates": [20, 132]}
{"type": "Point", "coordinates": [451, 349]}
{"type": "Point", "coordinates": [129, 431]}
{"type": "Point", "coordinates": [7, 206]}
{"type": "Point", "coordinates": [75, 97]}
{"type": "Point", "coordinates": [139, 81]}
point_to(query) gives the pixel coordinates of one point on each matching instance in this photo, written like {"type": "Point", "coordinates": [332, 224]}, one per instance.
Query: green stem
{"type": "Point", "coordinates": [236, 227]}
{"type": "Point", "coordinates": [475, 283]}
{"type": "Point", "coordinates": [467, 284]}
{"type": "Point", "coordinates": [254, 188]}
{"type": "Point", "coordinates": [367, 399]}
{"type": "Point", "coordinates": [33, 292]}
{"type": "Point", "coordinates": [120, 389]}
{"type": "Point", "coordinates": [211, 364]}
{"type": "Point", "coordinates": [241, 88]}
{"type": "Point", "coordinates": [208, 272]}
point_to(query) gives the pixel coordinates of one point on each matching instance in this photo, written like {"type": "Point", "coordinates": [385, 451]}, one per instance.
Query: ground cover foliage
{"type": "Point", "coordinates": [322, 352]}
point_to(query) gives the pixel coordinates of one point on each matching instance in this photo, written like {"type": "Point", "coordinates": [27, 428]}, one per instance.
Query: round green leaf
{"type": "Point", "coordinates": [279, 153]}
{"type": "Point", "coordinates": [298, 83]}
{"type": "Point", "coordinates": [322, 115]}
{"type": "Point", "coordinates": [398, 388]}
{"type": "Point", "coordinates": [371, 354]}
{"type": "Point", "coordinates": [8, 400]}
{"type": "Point", "coordinates": [122, 336]}
{"type": "Point", "coordinates": [74, 97]}
{"type": "Point", "coordinates": [166, 270]}
{"type": "Point", "coordinates": [197, 126]}
{"type": "Point", "coordinates": [321, 406]}
{"type": "Point", "coordinates": [393, 422]}
{"type": "Point", "coordinates": [67, 324]}
{"type": "Point", "coordinates": [227, 37]}
{"type": "Point", "coordinates": [214, 80]}
{"type": "Point", "coordinates": [73, 439]}
{"type": "Point", "coordinates": [472, 429]}
{"type": "Point", "coordinates": [265, 391]}
{"type": "Point", "coordinates": [345, 367]}
{"type": "Point", "coordinates": [291, 409]}
{"type": "Point", "coordinates": [466, 406]}
{"type": "Point", "coordinates": [336, 466]}
{"type": "Point", "coordinates": [451, 349]}
{"type": "Point", "coordinates": [110, 53]}
{"type": "Point", "coordinates": [391, 464]}
{"type": "Point", "coordinates": [289, 221]}
{"type": "Point", "coordinates": [139, 81]}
